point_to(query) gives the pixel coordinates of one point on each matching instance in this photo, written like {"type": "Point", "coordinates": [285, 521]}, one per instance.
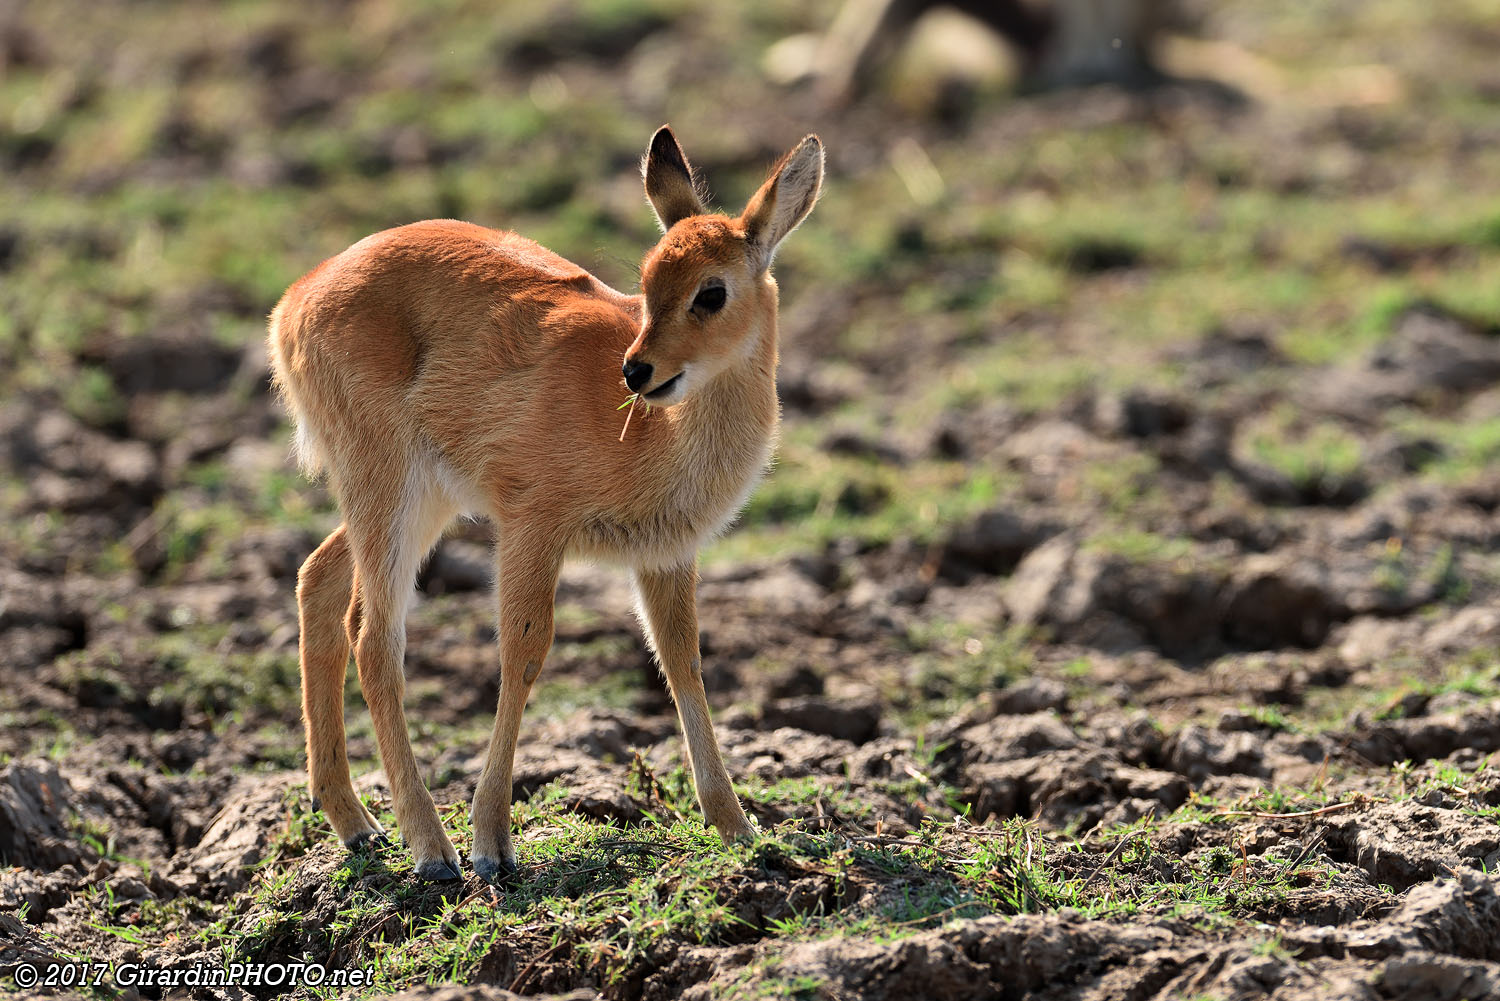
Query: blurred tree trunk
{"type": "Point", "coordinates": [1063, 43]}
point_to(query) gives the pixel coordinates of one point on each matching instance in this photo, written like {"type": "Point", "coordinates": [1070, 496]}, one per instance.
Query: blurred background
{"type": "Point", "coordinates": [1141, 382]}
{"type": "Point", "coordinates": [1129, 340]}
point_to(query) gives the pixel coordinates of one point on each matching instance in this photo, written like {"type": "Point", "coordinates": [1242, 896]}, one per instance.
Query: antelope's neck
{"type": "Point", "coordinates": [721, 443]}
{"type": "Point", "coordinates": [730, 420]}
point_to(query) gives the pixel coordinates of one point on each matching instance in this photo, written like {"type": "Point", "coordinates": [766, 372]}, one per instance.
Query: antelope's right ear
{"type": "Point", "coordinates": [670, 187]}
{"type": "Point", "coordinates": [784, 200]}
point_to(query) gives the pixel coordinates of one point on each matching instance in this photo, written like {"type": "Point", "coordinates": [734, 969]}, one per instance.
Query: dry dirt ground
{"type": "Point", "coordinates": [1120, 623]}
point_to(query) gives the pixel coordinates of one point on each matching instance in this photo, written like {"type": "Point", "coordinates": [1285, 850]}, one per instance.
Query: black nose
{"type": "Point", "coordinates": [637, 374]}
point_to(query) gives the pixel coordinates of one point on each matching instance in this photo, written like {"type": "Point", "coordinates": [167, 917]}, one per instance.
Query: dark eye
{"type": "Point", "coordinates": [710, 299]}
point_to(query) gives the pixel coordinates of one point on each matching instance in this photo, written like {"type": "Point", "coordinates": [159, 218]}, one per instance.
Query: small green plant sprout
{"type": "Point", "coordinates": [630, 401]}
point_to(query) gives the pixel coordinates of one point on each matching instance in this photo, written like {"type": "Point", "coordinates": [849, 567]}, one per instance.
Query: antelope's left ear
{"type": "Point", "coordinates": [784, 200]}
{"type": "Point", "coordinates": [671, 187]}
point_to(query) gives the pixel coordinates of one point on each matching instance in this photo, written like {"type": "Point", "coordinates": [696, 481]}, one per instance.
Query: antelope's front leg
{"type": "Point", "coordinates": [528, 587]}
{"type": "Point", "coordinates": [669, 607]}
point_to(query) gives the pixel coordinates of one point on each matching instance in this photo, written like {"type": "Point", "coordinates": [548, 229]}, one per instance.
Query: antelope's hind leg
{"type": "Point", "coordinates": [389, 539]}
{"type": "Point", "coordinates": [324, 589]}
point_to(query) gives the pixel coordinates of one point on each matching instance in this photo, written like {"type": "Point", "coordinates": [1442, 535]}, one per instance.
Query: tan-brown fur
{"type": "Point", "coordinates": [443, 368]}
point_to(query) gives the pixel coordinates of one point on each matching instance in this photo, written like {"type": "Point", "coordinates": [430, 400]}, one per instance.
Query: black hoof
{"type": "Point", "coordinates": [438, 870]}
{"type": "Point", "coordinates": [494, 870]}
{"type": "Point", "coordinates": [372, 841]}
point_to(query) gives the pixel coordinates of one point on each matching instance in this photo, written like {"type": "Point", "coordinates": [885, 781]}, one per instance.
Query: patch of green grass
{"type": "Point", "coordinates": [1127, 487]}
{"type": "Point", "coordinates": [231, 681]}
{"type": "Point", "coordinates": [1476, 673]}
{"type": "Point", "coordinates": [1318, 459]}
{"type": "Point", "coordinates": [1024, 372]}
{"type": "Point", "coordinates": [1273, 718]}
{"type": "Point", "coordinates": [1409, 779]}
{"type": "Point", "coordinates": [1202, 808]}
{"type": "Point", "coordinates": [811, 498]}
{"type": "Point", "coordinates": [91, 396]}
{"type": "Point", "coordinates": [608, 900]}
{"type": "Point", "coordinates": [607, 896]}
{"type": "Point", "coordinates": [1466, 449]}
{"type": "Point", "coordinates": [97, 835]}
{"type": "Point", "coordinates": [775, 988]}
{"type": "Point", "coordinates": [1136, 546]}
{"type": "Point", "coordinates": [952, 664]}
{"type": "Point", "coordinates": [558, 696]}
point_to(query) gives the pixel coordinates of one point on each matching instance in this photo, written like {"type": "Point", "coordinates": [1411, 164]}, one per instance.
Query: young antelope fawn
{"type": "Point", "coordinates": [442, 369]}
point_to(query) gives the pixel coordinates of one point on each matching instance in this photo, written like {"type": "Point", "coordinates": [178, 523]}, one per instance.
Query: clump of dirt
{"type": "Point", "coordinates": [1440, 940]}
{"type": "Point", "coordinates": [1386, 879]}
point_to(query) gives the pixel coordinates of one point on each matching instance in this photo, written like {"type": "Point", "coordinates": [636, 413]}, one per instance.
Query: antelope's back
{"type": "Point", "coordinates": [441, 329]}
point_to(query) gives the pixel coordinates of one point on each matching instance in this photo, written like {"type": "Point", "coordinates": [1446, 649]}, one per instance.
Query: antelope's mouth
{"type": "Point", "coordinates": [666, 389]}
